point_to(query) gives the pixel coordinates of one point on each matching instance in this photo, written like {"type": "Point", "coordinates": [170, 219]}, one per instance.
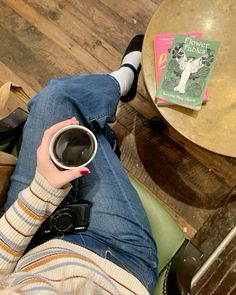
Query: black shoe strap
{"type": "Point", "coordinates": [131, 67]}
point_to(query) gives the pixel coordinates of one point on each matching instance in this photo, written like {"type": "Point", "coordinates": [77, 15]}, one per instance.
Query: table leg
{"type": "Point", "coordinates": [157, 123]}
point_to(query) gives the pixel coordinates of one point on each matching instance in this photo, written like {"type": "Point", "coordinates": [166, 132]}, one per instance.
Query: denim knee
{"type": "Point", "coordinates": [51, 104]}
{"type": "Point", "coordinates": [47, 96]}
{"type": "Point", "coordinates": [91, 98]}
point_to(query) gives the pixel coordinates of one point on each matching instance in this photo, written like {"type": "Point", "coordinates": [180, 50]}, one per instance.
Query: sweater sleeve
{"type": "Point", "coordinates": [21, 221]}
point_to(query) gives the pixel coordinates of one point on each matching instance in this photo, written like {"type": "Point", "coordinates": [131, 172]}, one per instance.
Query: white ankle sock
{"type": "Point", "coordinates": [125, 75]}
{"type": "Point", "coordinates": [133, 58]}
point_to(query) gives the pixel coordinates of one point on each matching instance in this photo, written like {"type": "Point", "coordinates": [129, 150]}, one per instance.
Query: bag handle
{"type": "Point", "coordinates": [5, 93]}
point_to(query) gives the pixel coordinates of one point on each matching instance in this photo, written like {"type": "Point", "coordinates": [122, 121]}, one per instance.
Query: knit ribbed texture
{"type": "Point", "coordinates": [56, 265]}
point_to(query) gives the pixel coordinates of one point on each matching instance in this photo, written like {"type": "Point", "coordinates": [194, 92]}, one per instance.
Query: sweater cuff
{"type": "Point", "coordinates": [46, 191]}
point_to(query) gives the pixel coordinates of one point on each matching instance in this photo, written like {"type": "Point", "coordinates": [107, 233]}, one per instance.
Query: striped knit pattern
{"type": "Point", "coordinates": [55, 266]}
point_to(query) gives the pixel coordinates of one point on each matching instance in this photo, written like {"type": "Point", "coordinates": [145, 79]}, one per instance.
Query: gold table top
{"type": "Point", "coordinates": [214, 126]}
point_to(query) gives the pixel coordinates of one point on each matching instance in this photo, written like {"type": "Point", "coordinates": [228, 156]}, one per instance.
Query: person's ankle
{"type": "Point", "coordinates": [127, 75]}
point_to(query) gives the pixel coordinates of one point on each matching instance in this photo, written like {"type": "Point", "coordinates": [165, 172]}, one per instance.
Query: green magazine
{"type": "Point", "coordinates": [185, 77]}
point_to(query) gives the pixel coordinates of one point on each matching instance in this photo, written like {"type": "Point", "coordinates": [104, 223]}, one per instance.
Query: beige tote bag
{"type": "Point", "coordinates": [12, 100]}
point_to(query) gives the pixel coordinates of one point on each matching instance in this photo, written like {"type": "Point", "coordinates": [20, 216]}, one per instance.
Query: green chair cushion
{"type": "Point", "coordinates": [167, 234]}
{"type": "Point", "coordinates": [4, 147]}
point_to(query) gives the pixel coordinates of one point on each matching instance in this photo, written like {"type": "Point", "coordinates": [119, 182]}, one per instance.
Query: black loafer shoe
{"type": "Point", "coordinates": [135, 45]}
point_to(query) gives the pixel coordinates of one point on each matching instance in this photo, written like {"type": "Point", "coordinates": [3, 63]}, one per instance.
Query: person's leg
{"type": "Point", "coordinates": [91, 98]}
{"type": "Point", "coordinates": [118, 220]}
{"type": "Point", "coordinates": [117, 216]}
{"type": "Point", "coordinates": [118, 229]}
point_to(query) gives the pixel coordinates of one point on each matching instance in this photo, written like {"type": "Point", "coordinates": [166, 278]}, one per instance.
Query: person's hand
{"type": "Point", "coordinates": [45, 165]}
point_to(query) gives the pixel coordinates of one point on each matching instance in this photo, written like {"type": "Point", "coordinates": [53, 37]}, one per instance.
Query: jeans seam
{"type": "Point", "coordinates": [117, 83]}
{"type": "Point", "coordinates": [120, 187]}
{"type": "Point", "coordinates": [118, 96]}
{"type": "Point", "coordinates": [121, 263]}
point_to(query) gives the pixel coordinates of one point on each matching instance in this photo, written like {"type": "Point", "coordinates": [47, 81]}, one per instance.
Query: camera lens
{"type": "Point", "coordinates": [73, 147]}
{"type": "Point", "coordinates": [63, 220]}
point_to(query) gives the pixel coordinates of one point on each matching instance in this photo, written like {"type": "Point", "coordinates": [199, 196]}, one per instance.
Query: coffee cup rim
{"type": "Point", "coordinates": [88, 131]}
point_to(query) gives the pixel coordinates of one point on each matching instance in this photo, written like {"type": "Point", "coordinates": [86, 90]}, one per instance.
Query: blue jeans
{"type": "Point", "coordinates": [118, 229]}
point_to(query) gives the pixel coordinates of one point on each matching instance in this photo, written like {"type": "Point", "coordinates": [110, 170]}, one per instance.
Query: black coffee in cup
{"type": "Point", "coordinates": [73, 146]}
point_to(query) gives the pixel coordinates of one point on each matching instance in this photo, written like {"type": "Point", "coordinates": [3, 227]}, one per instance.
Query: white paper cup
{"type": "Point", "coordinates": [72, 147]}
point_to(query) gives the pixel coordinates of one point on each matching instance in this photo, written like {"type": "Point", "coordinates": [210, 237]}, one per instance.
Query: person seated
{"type": "Point", "coordinates": [117, 253]}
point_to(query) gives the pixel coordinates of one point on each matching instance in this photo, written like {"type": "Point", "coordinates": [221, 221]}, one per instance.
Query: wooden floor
{"type": "Point", "coordinates": [44, 39]}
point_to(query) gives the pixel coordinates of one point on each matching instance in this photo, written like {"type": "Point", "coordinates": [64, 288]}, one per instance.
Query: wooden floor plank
{"type": "Point", "coordinates": [73, 26]}
{"type": "Point", "coordinates": [35, 54]}
{"type": "Point", "coordinates": [224, 167]}
{"type": "Point", "coordinates": [14, 55]}
{"type": "Point", "coordinates": [105, 22]}
{"type": "Point", "coordinates": [130, 157]}
{"type": "Point", "coordinates": [187, 178]}
{"type": "Point", "coordinates": [60, 38]}
{"type": "Point", "coordinates": [132, 12]}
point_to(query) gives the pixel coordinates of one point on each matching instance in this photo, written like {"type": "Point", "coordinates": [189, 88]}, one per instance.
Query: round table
{"type": "Point", "coordinates": [214, 126]}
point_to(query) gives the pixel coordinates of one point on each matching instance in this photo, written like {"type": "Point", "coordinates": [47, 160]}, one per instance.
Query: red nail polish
{"type": "Point", "coordinates": [84, 172]}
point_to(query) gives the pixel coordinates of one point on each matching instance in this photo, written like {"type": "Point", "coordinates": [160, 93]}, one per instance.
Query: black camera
{"type": "Point", "coordinates": [66, 219]}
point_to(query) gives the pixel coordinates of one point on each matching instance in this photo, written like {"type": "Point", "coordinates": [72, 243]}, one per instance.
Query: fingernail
{"type": "Point", "coordinates": [84, 172]}
{"type": "Point", "coordinates": [72, 118]}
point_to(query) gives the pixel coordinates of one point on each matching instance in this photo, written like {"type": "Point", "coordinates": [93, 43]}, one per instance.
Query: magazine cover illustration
{"type": "Point", "coordinates": [187, 70]}
{"type": "Point", "coordinates": [162, 47]}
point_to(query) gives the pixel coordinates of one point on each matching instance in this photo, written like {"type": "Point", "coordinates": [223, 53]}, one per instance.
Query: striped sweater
{"type": "Point", "coordinates": [55, 265]}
